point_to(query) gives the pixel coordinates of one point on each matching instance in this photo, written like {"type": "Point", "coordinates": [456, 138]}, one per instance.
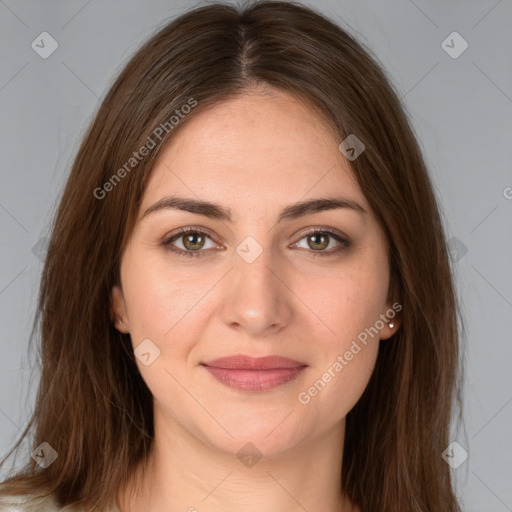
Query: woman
{"type": "Point", "coordinates": [247, 302]}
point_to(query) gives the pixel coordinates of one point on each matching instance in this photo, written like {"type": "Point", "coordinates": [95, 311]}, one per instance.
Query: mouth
{"type": "Point", "coordinates": [254, 373]}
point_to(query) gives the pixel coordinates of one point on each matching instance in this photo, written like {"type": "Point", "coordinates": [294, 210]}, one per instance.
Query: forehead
{"type": "Point", "coordinates": [267, 144]}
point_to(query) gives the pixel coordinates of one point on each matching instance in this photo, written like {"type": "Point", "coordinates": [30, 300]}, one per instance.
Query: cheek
{"type": "Point", "coordinates": [158, 300]}
{"type": "Point", "coordinates": [345, 358]}
{"type": "Point", "coordinates": [336, 390]}
{"type": "Point", "coordinates": [171, 309]}
{"type": "Point", "coordinates": [348, 307]}
{"type": "Point", "coordinates": [348, 302]}
{"type": "Point", "coordinates": [165, 308]}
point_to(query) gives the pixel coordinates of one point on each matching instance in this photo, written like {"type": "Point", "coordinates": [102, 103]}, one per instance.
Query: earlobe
{"type": "Point", "coordinates": [118, 310]}
{"type": "Point", "coordinates": [392, 322]}
{"type": "Point", "coordinates": [389, 329]}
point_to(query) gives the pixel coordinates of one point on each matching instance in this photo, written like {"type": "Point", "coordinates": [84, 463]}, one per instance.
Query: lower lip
{"type": "Point", "coordinates": [254, 380]}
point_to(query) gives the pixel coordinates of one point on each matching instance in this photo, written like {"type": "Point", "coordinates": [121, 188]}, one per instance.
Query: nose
{"type": "Point", "coordinates": [257, 297]}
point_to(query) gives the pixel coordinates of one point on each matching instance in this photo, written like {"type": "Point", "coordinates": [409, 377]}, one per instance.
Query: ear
{"type": "Point", "coordinates": [392, 319]}
{"type": "Point", "coordinates": [118, 310]}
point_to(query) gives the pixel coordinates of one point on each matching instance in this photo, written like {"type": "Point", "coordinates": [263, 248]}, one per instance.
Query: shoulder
{"type": "Point", "coordinates": [11, 503]}
{"type": "Point", "coordinates": [30, 503]}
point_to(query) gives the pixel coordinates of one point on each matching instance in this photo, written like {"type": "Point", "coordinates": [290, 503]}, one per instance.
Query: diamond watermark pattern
{"type": "Point", "coordinates": [44, 455]}
{"type": "Point", "coordinates": [352, 147]}
{"type": "Point", "coordinates": [249, 249]}
{"type": "Point", "coordinates": [457, 249]}
{"type": "Point", "coordinates": [249, 455]}
{"type": "Point", "coordinates": [454, 455]}
{"type": "Point", "coordinates": [40, 248]}
{"type": "Point", "coordinates": [454, 45]}
{"type": "Point", "coordinates": [44, 45]}
{"type": "Point", "coordinates": [146, 352]}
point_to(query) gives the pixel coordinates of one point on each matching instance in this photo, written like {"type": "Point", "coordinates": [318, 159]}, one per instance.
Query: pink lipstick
{"type": "Point", "coordinates": [254, 373]}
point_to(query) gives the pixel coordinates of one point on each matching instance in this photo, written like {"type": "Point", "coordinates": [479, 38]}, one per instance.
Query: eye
{"type": "Point", "coordinates": [320, 239]}
{"type": "Point", "coordinates": [193, 240]}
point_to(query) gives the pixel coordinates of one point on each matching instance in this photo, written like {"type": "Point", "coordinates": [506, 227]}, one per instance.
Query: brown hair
{"type": "Point", "coordinates": [92, 405]}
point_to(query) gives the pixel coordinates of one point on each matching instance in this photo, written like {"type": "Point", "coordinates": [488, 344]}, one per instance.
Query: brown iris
{"type": "Point", "coordinates": [190, 241]}
{"type": "Point", "coordinates": [318, 244]}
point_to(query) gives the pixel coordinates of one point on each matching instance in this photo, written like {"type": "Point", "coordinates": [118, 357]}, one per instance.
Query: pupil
{"type": "Point", "coordinates": [321, 242]}
{"type": "Point", "coordinates": [191, 240]}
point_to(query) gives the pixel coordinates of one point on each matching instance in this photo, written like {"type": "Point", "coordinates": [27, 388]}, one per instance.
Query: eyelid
{"type": "Point", "coordinates": [189, 229]}
{"type": "Point", "coordinates": [342, 239]}
{"type": "Point", "coordinates": [322, 229]}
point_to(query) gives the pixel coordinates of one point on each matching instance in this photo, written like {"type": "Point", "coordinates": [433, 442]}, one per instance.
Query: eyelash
{"type": "Point", "coordinates": [167, 243]}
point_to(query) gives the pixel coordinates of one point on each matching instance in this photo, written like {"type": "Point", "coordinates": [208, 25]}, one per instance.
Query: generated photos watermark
{"type": "Point", "coordinates": [158, 133]}
{"type": "Point", "coordinates": [343, 360]}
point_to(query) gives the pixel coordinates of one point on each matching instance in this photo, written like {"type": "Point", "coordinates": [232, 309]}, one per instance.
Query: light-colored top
{"type": "Point", "coordinates": [22, 504]}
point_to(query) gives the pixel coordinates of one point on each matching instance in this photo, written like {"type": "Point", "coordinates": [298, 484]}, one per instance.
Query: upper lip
{"type": "Point", "coordinates": [243, 362]}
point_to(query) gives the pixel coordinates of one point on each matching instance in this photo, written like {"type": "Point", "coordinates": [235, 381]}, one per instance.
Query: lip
{"type": "Point", "coordinates": [254, 373]}
{"type": "Point", "coordinates": [243, 362]}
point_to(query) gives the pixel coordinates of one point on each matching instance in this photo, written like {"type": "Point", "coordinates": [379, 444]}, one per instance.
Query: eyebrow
{"type": "Point", "coordinates": [216, 211]}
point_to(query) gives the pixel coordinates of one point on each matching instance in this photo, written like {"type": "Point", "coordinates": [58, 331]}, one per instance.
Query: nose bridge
{"type": "Point", "coordinates": [254, 267]}
{"type": "Point", "coordinates": [257, 298]}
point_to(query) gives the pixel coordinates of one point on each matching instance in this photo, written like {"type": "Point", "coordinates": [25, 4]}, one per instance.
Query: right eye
{"type": "Point", "coordinates": [193, 240]}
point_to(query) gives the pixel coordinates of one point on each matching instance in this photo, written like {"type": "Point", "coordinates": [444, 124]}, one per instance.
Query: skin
{"type": "Point", "coordinates": [255, 155]}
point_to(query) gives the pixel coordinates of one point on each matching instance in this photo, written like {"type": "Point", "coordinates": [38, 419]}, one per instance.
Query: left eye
{"type": "Point", "coordinates": [318, 240]}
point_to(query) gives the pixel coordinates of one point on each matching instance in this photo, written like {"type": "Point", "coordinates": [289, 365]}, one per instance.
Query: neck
{"type": "Point", "coordinates": [186, 474]}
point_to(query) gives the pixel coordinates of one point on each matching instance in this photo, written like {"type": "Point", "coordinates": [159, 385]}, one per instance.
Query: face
{"type": "Point", "coordinates": [307, 285]}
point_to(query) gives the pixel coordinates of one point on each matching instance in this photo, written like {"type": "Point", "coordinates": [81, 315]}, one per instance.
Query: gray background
{"type": "Point", "coordinates": [461, 109]}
